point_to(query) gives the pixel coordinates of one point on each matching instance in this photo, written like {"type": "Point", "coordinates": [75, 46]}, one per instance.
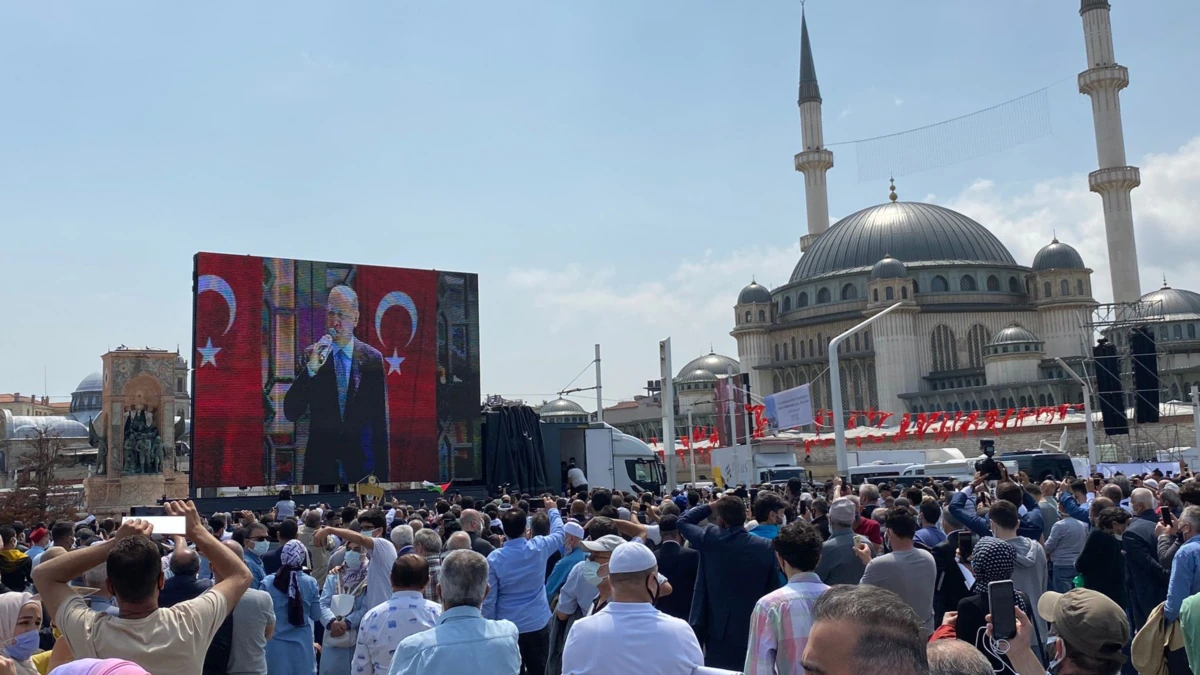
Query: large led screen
{"type": "Point", "coordinates": [318, 373]}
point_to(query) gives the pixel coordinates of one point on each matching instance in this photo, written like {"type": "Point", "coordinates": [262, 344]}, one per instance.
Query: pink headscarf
{"type": "Point", "coordinates": [10, 611]}
{"type": "Point", "coordinates": [99, 667]}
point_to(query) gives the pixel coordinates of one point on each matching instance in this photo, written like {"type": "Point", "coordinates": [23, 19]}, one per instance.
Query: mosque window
{"type": "Point", "coordinates": [849, 292]}
{"type": "Point", "coordinates": [857, 344]}
{"type": "Point", "coordinates": [1162, 333]}
{"type": "Point", "coordinates": [967, 283]}
{"type": "Point", "coordinates": [945, 351]}
{"type": "Point", "coordinates": [1014, 286]}
{"type": "Point", "coordinates": [888, 294]}
{"type": "Point", "coordinates": [1064, 288]}
{"type": "Point", "coordinates": [802, 300]}
{"type": "Point", "coordinates": [977, 339]}
{"type": "Point", "coordinates": [794, 352]}
{"type": "Point", "coordinates": [810, 348]}
{"type": "Point", "coordinates": [820, 346]}
{"type": "Point", "coordinates": [1079, 287]}
{"type": "Point", "coordinates": [1046, 290]}
{"type": "Point", "coordinates": [803, 353]}
{"type": "Point", "coordinates": [939, 285]}
{"type": "Point", "coordinates": [762, 315]}
{"type": "Point", "coordinates": [872, 386]}
{"type": "Point", "coordinates": [875, 295]}
{"type": "Point", "coordinates": [867, 340]}
{"type": "Point", "coordinates": [747, 316]}
{"type": "Point", "coordinates": [823, 296]}
{"type": "Point", "coordinates": [993, 283]}
{"type": "Point", "coordinates": [1174, 391]}
{"type": "Point", "coordinates": [1042, 400]}
{"type": "Point", "coordinates": [1050, 398]}
{"type": "Point", "coordinates": [1191, 331]}
{"type": "Point", "coordinates": [787, 304]}
{"type": "Point", "coordinates": [903, 292]}
{"type": "Point", "coordinates": [777, 351]}
{"type": "Point", "coordinates": [860, 400]}
{"type": "Point", "coordinates": [1178, 331]}
{"type": "Point", "coordinates": [785, 352]}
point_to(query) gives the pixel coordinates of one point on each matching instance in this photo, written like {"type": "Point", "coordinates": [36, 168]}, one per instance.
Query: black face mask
{"type": "Point", "coordinates": [654, 594]}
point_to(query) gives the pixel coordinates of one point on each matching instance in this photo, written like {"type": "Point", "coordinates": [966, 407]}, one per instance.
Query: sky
{"type": "Point", "coordinates": [615, 172]}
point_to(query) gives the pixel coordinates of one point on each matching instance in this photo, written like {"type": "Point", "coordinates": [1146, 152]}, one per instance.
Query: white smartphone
{"type": "Point", "coordinates": [166, 524]}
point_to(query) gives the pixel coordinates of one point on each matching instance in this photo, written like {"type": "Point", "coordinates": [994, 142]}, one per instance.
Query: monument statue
{"type": "Point", "coordinates": [143, 444]}
{"type": "Point", "coordinates": [96, 439]}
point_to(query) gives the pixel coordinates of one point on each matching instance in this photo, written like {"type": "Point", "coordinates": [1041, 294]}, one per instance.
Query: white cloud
{"type": "Point", "coordinates": [898, 101]}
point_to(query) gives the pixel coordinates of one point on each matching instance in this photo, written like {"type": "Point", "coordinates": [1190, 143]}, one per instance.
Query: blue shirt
{"type": "Point", "coordinates": [930, 536]}
{"type": "Point", "coordinates": [1185, 578]}
{"type": "Point", "coordinates": [562, 568]}
{"type": "Point", "coordinates": [461, 642]}
{"type": "Point", "coordinates": [517, 574]}
{"type": "Point", "coordinates": [256, 567]}
{"type": "Point", "coordinates": [766, 532]}
{"type": "Point", "coordinates": [310, 599]}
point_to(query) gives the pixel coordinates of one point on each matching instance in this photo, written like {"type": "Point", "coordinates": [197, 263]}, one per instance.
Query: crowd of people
{"type": "Point", "coordinates": [825, 579]}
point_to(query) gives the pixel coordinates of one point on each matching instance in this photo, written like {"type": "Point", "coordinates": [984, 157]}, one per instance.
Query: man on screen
{"type": "Point", "coordinates": [340, 383]}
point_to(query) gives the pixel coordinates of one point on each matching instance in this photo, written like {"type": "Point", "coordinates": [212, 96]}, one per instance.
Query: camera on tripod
{"type": "Point", "coordinates": [987, 465]}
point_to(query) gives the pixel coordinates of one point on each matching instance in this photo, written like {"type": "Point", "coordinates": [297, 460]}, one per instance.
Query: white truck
{"type": "Point", "coordinates": [740, 466]}
{"type": "Point", "coordinates": [906, 457]}
{"type": "Point", "coordinates": [613, 460]}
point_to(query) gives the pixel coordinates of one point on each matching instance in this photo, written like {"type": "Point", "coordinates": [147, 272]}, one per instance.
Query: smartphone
{"type": "Point", "coordinates": [1164, 513]}
{"type": "Point", "coordinates": [1002, 604]}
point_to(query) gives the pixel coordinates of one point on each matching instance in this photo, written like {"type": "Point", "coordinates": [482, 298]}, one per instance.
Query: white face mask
{"type": "Point", "coordinates": [782, 519]}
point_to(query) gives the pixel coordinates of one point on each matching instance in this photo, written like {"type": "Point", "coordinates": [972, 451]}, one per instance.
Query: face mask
{"type": "Point", "coordinates": [23, 646]}
{"type": "Point", "coordinates": [261, 547]}
{"type": "Point", "coordinates": [1052, 648]}
{"type": "Point", "coordinates": [591, 572]}
{"type": "Point", "coordinates": [654, 593]}
{"type": "Point", "coordinates": [782, 519]}
{"type": "Point", "coordinates": [353, 559]}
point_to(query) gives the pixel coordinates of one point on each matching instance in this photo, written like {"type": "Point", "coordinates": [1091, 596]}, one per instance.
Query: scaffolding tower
{"type": "Point", "coordinates": [1145, 442]}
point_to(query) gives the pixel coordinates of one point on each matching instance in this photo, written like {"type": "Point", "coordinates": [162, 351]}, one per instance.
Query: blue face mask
{"type": "Point", "coordinates": [261, 548]}
{"type": "Point", "coordinates": [23, 646]}
{"type": "Point", "coordinates": [591, 572]}
{"type": "Point", "coordinates": [353, 559]}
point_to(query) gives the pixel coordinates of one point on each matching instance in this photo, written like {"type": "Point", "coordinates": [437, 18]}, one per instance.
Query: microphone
{"type": "Point", "coordinates": [325, 345]}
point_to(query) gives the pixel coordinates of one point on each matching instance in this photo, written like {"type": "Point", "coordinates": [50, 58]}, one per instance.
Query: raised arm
{"type": "Point", "coordinates": [549, 543]}
{"type": "Point", "coordinates": [345, 535]}
{"type": "Point", "coordinates": [963, 510]}
{"type": "Point", "coordinates": [631, 528]}
{"type": "Point", "coordinates": [235, 576]}
{"type": "Point", "coordinates": [53, 576]}
{"type": "Point", "coordinates": [689, 524]}
{"type": "Point", "coordinates": [1073, 508]}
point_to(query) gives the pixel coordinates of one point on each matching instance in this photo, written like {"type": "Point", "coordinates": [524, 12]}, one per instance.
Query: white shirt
{"type": "Point", "coordinates": [575, 477]}
{"type": "Point", "coordinates": [631, 637]}
{"type": "Point", "coordinates": [385, 625]}
{"type": "Point", "coordinates": [379, 573]}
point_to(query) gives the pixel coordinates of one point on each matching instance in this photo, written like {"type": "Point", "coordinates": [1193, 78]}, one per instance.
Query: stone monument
{"type": "Point", "coordinates": [134, 434]}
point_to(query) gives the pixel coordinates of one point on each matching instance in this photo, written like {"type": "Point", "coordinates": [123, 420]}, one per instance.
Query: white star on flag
{"type": "Point", "coordinates": [394, 362]}
{"type": "Point", "coordinates": [209, 354]}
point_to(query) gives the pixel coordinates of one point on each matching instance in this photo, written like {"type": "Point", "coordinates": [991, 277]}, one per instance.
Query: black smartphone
{"type": "Point", "coordinates": [1002, 604]}
{"type": "Point", "coordinates": [1164, 513]}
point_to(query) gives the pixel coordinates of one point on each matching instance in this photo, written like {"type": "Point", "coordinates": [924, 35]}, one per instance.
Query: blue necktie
{"type": "Point", "coordinates": [342, 367]}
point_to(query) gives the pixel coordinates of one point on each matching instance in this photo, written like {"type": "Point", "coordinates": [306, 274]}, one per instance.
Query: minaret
{"type": "Point", "coordinates": [1103, 81]}
{"type": "Point", "coordinates": [815, 160]}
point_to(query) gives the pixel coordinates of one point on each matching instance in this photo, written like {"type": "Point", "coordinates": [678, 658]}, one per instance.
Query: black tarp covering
{"type": "Point", "coordinates": [513, 450]}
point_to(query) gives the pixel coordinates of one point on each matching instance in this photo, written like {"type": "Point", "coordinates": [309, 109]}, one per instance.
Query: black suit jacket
{"type": "Point", "coordinates": [1146, 576]}
{"type": "Point", "coordinates": [181, 589]}
{"type": "Point", "coordinates": [679, 565]}
{"type": "Point", "coordinates": [737, 568]}
{"type": "Point", "coordinates": [357, 441]}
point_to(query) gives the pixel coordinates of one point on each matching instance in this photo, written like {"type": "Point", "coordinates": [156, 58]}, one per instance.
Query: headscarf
{"type": "Point", "coordinates": [10, 611]}
{"type": "Point", "coordinates": [99, 667]}
{"type": "Point", "coordinates": [995, 560]}
{"type": "Point", "coordinates": [292, 557]}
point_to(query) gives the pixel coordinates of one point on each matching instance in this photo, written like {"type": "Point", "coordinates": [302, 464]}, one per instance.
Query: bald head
{"type": "Point", "coordinates": [185, 563]}
{"type": "Point", "coordinates": [1140, 500]}
{"type": "Point", "coordinates": [459, 541]}
{"type": "Point", "coordinates": [955, 657]}
{"type": "Point", "coordinates": [1048, 487]}
{"type": "Point", "coordinates": [471, 521]}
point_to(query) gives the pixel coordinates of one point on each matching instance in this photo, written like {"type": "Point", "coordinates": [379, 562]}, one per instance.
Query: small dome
{"type": "Point", "coordinates": [1173, 303]}
{"type": "Point", "coordinates": [1057, 256]}
{"type": "Point", "coordinates": [55, 426]}
{"type": "Point", "coordinates": [696, 376]}
{"type": "Point", "coordinates": [561, 406]}
{"type": "Point", "coordinates": [888, 268]}
{"type": "Point", "coordinates": [1013, 334]}
{"type": "Point", "coordinates": [93, 382]}
{"type": "Point", "coordinates": [754, 294]}
{"type": "Point", "coordinates": [713, 363]}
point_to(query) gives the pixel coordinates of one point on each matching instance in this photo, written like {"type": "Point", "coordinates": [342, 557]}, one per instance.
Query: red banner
{"type": "Point", "coordinates": [228, 389]}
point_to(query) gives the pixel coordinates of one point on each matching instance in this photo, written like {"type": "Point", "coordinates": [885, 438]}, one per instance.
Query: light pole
{"type": "Point", "coordinates": [1087, 413]}
{"type": "Point", "coordinates": [835, 390]}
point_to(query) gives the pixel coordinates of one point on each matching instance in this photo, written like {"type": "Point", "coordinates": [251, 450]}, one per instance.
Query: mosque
{"type": "Point", "coordinates": [976, 329]}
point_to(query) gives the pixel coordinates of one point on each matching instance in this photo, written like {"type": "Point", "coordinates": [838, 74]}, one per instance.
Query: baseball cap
{"type": "Point", "coordinates": [1150, 483]}
{"type": "Point", "coordinates": [1088, 621]}
{"type": "Point", "coordinates": [842, 511]}
{"type": "Point", "coordinates": [631, 556]}
{"type": "Point", "coordinates": [623, 513]}
{"type": "Point", "coordinates": [606, 544]}
{"type": "Point", "coordinates": [574, 529]}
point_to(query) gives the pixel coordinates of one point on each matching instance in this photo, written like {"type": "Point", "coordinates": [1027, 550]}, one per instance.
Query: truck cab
{"type": "Point", "coordinates": [777, 468]}
{"type": "Point", "coordinates": [611, 459]}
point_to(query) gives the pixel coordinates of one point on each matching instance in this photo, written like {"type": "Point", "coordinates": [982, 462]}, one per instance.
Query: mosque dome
{"type": "Point", "coordinates": [910, 231]}
{"type": "Point", "coordinates": [754, 293]}
{"type": "Point", "coordinates": [1013, 335]}
{"type": "Point", "coordinates": [888, 268]}
{"type": "Point", "coordinates": [713, 363]}
{"type": "Point", "coordinates": [561, 406]}
{"type": "Point", "coordinates": [1057, 256]}
{"type": "Point", "coordinates": [1173, 303]}
{"type": "Point", "coordinates": [696, 376]}
{"type": "Point", "coordinates": [93, 382]}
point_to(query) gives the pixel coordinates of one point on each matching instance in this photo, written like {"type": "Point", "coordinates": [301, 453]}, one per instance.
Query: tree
{"type": "Point", "coordinates": [38, 494]}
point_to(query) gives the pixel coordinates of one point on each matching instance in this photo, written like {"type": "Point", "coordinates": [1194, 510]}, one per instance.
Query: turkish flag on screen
{"type": "Point", "coordinates": [398, 316]}
{"type": "Point", "coordinates": [227, 425]}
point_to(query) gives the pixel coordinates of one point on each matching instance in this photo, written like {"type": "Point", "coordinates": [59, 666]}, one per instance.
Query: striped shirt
{"type": "Point", "coordinates": [384, 626]}
{"type": "Point", "coordinates": [780, 625]}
